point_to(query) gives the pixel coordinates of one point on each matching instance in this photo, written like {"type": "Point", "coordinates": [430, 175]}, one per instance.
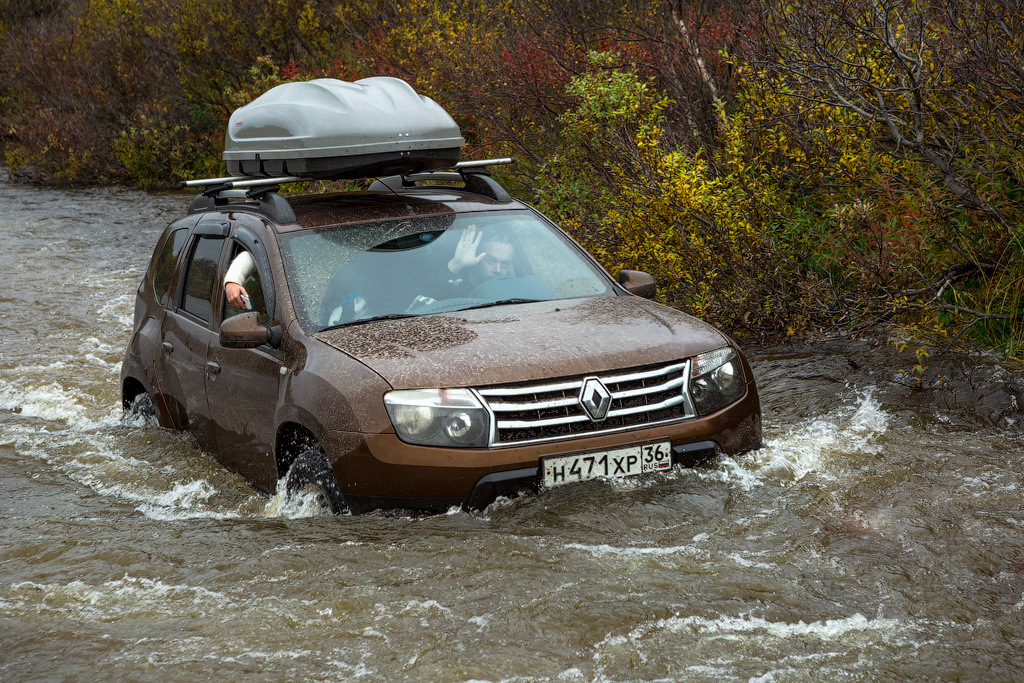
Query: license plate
{"type": "Point", "coordinates": [614, 464]}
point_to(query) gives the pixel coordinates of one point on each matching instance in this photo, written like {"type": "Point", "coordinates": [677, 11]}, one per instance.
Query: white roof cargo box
{"type": "Point", "coordinates": [330, 129]}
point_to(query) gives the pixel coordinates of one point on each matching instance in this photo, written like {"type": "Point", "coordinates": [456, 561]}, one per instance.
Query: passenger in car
{"type": "Point", "coordinates": [242, 267]}
{"type": "Point", "coordinates": [344, 302]}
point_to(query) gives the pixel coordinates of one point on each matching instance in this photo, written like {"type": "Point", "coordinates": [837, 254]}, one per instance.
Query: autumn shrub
{"type": "Point", "coordinates": [637, 201]}
{"type": "Point", "coordinates": [916, 115]}
{"type": "Point", "coordinates": [126, 90]}
{"type": "Point", "coordinates": [217, 45]}
{"type": "Point", "coordinates": [154, 151]}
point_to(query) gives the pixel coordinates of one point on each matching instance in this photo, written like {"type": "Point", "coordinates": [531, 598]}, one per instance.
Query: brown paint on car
{"type": "Point", "coordinates": [257, 389]}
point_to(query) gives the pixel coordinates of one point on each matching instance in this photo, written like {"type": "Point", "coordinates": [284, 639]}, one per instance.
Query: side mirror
{"type": "Point", "coordinates": [639, 283]}
{"type": "Point", "coordinates": [244, 331]}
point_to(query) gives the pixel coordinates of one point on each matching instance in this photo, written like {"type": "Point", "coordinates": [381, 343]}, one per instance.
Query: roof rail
{"type": "Point", "coordinates": [217, 192]}
{"type": "Point", "coordinates": [474, 174]}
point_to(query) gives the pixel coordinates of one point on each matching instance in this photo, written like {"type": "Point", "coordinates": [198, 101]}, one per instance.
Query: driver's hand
{"type": "Point", "coordinates": [235, 292]}
{"type": "Point", "coordinates": [465, 252]}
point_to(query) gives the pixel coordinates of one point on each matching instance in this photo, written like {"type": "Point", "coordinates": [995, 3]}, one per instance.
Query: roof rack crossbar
{"type": "Point", "coordinates": [228, 194]}
{"type": "Point", "coordinates": [485, 162]}
{"type": "Point", "coordinates": [241, 181]}
{"type": "Point", "coordinates": [267, 202]}
{"type": "Point", "coordinates": [411, 179]}
{"type": "Point", "coordinates": [256, 182]}
{"type": "Point", "coordinates": [209, 181]}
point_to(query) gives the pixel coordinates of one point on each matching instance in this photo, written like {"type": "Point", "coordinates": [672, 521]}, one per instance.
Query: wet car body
{"type": "Point", "coordinates": [310, 385]}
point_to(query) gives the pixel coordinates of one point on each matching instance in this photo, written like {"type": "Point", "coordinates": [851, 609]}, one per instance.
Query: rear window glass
{"type": "Point", "coordinates": [165, 262]}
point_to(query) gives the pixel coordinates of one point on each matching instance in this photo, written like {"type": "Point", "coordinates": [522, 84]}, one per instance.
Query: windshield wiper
{"type": "Point", "coordinates": [502, 303]}
{"type": "Point", "coordinates": [400, 316]}
{"type": "Point", "coordinates": [376, 318]}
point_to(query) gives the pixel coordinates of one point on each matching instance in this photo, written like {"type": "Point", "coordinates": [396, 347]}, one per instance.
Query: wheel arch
{"type": "Point", "coordinates": [292, 439]}
{"type": "Point", "coordinates": [130, 388]}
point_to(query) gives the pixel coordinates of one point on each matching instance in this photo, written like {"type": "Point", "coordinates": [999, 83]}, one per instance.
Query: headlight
{"type": "Point", "coordinates": [716, 380]}
{"type": "Point", "coordinates": [438, 417]}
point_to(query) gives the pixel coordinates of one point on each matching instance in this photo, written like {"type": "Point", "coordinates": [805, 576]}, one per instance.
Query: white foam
{"type": "Point", "coordinates": [93, 459]}
{"type": "Point", "coordinates": [118, 309]}
{"type": "Point", "coordinates": [829, 629]}
{"type": "Point", "coordinates": [605, 550]}
{"type": "Point", "coordinates": [127, 596]}
{"type": "Point", "coordinates": [185, 500]}
{"type": "Point", "coordinates": [481, 622]}
{"type": "Point", "coordinates": [783, 674]}
{"type": "Point", "coordinates": [47, 402]}
{"type": "Point", "coordinates": [744, 562]}
{"type": "Point", "coordinates": [420, 606]}
{"type": "Point", "coordinates": [94, 344]}
{"type": "Point", "coordinates": [29, 370]}
{"type": "Point", "coordinates": [354, 671]}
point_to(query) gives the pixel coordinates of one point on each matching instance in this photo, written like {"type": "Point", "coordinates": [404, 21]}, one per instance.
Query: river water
{"type": "Point", "coordinates": [877, 536]}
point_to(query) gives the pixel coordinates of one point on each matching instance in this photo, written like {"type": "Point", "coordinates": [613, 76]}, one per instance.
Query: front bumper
{"type": "Point", "coordinates": [380, 471]}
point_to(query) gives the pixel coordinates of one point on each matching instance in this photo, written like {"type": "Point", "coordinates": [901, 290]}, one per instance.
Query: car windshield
{"type": "Point", "coordinates": [417, 266]}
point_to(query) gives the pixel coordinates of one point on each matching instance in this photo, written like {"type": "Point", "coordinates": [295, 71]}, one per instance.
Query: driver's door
{"type": "Point", "coordinates": [243, 385]}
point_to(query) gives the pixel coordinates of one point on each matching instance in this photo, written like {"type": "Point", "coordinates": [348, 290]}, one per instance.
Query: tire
{"type": "Point", "coordinates": [141, 409]}
{"type": "Point", "coordinates": [312, 471]}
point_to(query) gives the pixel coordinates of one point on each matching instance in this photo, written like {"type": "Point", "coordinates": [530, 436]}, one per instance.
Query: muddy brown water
{"type": "Point", "coordinates": [877, 536]}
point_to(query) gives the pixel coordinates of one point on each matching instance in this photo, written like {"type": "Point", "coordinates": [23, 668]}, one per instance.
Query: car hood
{"type": "Point", "coordinates": [524, 342]}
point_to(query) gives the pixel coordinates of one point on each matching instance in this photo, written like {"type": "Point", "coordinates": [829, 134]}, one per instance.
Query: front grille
{"type": "Point", "coordinates": [640, 397]}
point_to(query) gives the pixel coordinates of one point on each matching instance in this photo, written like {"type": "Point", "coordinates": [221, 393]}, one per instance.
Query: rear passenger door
{"type": "Point", "coordinates": [186, 330]}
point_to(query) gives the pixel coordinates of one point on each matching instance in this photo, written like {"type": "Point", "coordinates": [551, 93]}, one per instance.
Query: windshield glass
{"type": "Point", "coordinates": [417, 266]}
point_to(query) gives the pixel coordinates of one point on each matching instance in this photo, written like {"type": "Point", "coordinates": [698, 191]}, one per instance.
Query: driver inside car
{"type": "Point", "coordinates": [478, 257]}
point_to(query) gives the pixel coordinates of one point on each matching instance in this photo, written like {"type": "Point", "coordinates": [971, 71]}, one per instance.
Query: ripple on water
{"type": "Point", "coordinates": [132, 461]}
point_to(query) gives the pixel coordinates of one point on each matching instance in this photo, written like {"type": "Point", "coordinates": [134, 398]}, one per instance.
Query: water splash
{"type": "Point", "coordinates": [295, 506]}
{"type": "Point", "coordinates": [813, 446]}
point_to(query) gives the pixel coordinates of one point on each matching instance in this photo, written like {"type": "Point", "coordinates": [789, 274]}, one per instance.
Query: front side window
{"type": "Point", "coordinates": [249, 294]}
{"type": "Point", "coordinates": [418, 266]}
{"type": "Point", "coordinates": [201, 277]}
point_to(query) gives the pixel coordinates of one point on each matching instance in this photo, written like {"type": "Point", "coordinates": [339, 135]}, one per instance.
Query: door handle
{"type": "Point", "coordinates": [214, 368]}
{"type": "Point", "coordinates": [168, 347]}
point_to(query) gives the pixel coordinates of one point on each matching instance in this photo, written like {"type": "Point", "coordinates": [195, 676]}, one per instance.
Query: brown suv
{"type": "Point", "coordinates": [421, 347]}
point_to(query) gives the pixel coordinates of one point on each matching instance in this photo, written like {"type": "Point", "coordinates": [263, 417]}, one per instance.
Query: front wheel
{"type": "Point", "coordinates": [312, 473]}
{"type": "Point", "coordinates": [140, 409]}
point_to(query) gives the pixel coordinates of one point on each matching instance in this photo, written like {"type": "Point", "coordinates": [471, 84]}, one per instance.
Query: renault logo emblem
{"type": "Point", "coordinates": [595, 399]}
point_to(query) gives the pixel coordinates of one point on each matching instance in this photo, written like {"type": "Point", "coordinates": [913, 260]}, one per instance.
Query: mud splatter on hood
{"type": "Point", "coordinates": [524, 342]}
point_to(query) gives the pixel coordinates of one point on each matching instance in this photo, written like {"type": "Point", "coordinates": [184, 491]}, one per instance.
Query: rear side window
{"type": "Point", "coordinates": [165, 263]}
{"type": "Point", "coordinates": [201, 277]}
